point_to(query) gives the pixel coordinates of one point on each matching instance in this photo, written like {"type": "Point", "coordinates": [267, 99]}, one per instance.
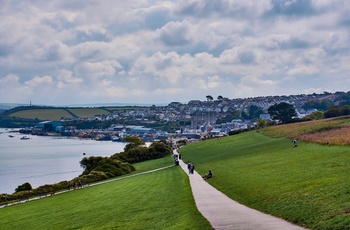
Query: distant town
{"type": "Point", "coordinates": [193, 121]}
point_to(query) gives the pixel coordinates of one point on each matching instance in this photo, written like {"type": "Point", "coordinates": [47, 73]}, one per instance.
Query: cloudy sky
{"type": "Point", "coordinates": [62, 52]}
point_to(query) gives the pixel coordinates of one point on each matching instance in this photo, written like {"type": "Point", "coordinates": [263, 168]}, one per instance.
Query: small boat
{"type": "Point", "coordinates": [11, 136]}
{"type": "Point", "coordinates": [25, 138]}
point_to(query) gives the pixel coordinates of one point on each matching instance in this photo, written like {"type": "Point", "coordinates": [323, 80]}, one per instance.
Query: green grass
{"type": "Point", "coordinates": [158, 200]}
{"type": "Point", "coordinates": [42, 114]}
{"type": "Point", "coordinates": [307, 185]}
{"type": "Point", "coordinates": [88, 112]}
{"type": "Point", "coordinates": [153, 164]}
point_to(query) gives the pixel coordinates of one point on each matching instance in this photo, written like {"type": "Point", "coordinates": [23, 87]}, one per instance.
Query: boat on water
{"type": "Point", "coordinates": [11, 136]}
{"type": "Point", "coordinates": [24, 138]}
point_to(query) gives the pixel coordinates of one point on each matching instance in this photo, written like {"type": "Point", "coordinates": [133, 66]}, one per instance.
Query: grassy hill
{"type": "Point", "coordinates": [56, 113]}
{"type": "Point", "coordinates": [158, 200]}
{"type": "Point", "coordinates": [42, 114]}
{"type": "Point", "coordinates": [307, 185]}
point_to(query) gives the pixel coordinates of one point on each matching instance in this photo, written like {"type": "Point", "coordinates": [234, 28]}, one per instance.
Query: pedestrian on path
{"type": "Point", "coordinates": [189, 168]}
{"type": "Point", "coordinates": [192, 168]}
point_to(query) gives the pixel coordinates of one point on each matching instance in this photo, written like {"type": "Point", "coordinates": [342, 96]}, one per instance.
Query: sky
{"type": "Point", "coordinates": [63, 52]}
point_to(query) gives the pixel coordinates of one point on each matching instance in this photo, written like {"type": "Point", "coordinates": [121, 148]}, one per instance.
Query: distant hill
{"type": "Point", "coordinates": [6, 106]}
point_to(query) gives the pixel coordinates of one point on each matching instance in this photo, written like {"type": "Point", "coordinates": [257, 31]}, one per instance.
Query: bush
{"type": "Point", "coordinates": [24, 187]}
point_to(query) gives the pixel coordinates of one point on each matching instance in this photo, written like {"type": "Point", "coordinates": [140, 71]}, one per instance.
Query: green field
{"type": "Point", "coordinates": [42, 114]}
{"type": "Point", "coordinates": [88, 112]}
{"type": "Point", "coordinates": [307, 185]}
{"type": "Point", "coordinates": [157, 200]}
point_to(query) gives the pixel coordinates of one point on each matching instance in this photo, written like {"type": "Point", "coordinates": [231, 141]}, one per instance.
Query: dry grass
{"type": "Point", "coordinates": [336, 136]}
{"type": "Point", "coordinates": [332, 131]}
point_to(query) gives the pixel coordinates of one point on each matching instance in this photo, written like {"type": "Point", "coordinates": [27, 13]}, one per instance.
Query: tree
{"type": "Point", "coordinates": [282, 111]}
{"type": "Point", "coordinates": [24, 187]}
{"type": "Point", "coordinates": [261, 123]}
{"type": "Point", "coordinates": [220, 98]}
{"type": "Point", "coordinates": [254, 112]}
{"type": "Point", "coordinates": [209, 98]}
{"type": "Point", "coordinates": [317, 115]}
{"type": "Point", "coordinates": [134, 142]}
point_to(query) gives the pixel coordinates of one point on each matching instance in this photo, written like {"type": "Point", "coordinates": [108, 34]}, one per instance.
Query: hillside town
{"type": "Point", "coordinates": [197, 119]}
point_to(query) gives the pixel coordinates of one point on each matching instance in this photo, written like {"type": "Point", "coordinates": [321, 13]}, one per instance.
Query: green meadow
{"type": "Point", "coordinates": [156, 200]}
{"type": "Point", "coordinates": [88, 112]}
{"type": "Point", "coordinates": [42, 114]}
{"type": "Point", "coordinates": [307, 185]}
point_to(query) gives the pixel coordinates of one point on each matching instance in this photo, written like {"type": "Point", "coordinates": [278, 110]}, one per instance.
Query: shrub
{"type": "Point", "coordinates": [24, 187]}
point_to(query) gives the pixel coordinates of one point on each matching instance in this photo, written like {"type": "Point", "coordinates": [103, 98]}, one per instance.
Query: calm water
{"type": "Point", "coordinates": [45, 160]}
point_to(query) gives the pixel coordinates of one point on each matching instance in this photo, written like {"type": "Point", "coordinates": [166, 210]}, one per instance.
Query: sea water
{"type": "Point", "coordinates": [43, 160]}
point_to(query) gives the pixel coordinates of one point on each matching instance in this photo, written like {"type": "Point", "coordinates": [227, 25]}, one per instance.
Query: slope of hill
{"type": "Point", "coordinates": [157, 200]}
{"type": "Point", "coordinates": [307, 185]}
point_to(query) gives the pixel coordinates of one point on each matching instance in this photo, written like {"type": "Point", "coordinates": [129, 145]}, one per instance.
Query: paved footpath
{"type": "Point", "coordinates": [224, 213]}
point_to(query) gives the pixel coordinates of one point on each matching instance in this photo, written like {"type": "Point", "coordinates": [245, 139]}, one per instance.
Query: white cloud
{"type": "Point", "coordinates": [163, 51]}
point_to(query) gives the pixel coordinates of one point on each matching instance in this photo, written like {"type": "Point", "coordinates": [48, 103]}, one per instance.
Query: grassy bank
{"type": "Point", "coordinates": [308, 185]}
{"type": "Point", "coordinates": [158, 200]}
{"type": "Point", "coordinates": [42, 114]}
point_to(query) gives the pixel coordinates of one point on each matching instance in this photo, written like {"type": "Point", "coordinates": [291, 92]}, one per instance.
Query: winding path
{"type": "Point", "coordinates": [224, 213]}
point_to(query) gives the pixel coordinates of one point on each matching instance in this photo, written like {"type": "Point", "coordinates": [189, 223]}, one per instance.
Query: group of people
{"type": "Point", "coordinates": [190, 167]}
{"type": "Point", "coordinates": [80, 184]}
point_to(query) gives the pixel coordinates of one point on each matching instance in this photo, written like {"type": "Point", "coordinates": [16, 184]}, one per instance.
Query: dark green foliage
{"type": "Point", "coordinates": [111, 167]}
{"type": "Point", "coordinates": [138, 154]}
{"type": "Point", "coordinates": [134, 142]}
{"type": "Point", "coordinates": [43, 190]}
{"type": "Point", "coordinates": [229, 116]}
{"type": "Point", "coordinates": [254, 112]}
{"type": "Point", "coordinates": [319, 105]}
{"type": "Point", "coordinates": [282, 111]}
{"type": "Point", "coordinates": [238, 131]}
{"type": "Point", "coordinates": [24, 187]}
{"type": "Point", "coordinates": [89, 163]}
{"type": "Point", "coordinates": [15, 122]}
{"type": "Point", "coordinates": [335, 111]}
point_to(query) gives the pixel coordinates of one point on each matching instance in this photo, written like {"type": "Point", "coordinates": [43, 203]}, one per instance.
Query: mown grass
{"type": "Point", "coordinates": [307, 185]}
{"type": "Point", "coordinates": [88, 112]}
{"type": "Point", "coordinates": [42, 114]}
{"type": "Point", "coordinates": [157, 200]}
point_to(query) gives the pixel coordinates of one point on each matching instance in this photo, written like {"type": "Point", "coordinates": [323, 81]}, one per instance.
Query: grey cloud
{"type": "Point", "coordinates": [294, 43]}
{"type": "Point", "coordinates": [51, 52]}
{"type": "Point", "coordinates": [247, 57]}
{"type": "Point", "coordinates": [291, 8]}
{"type": "Point", "coordinates": [176, 34]}
{"type": "Point", "coordinates": [207, 8]}
{"type": "Point", "coordinates": [5, 50]}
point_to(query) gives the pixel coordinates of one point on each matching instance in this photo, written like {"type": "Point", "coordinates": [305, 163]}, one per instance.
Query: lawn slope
{"type": "Point", "coordinates": [307, 185]}
{"type": "Point", "coordinates": [157, 200]}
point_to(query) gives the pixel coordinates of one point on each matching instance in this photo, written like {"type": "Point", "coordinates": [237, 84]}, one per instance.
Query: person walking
{"type": "Point", "coordinates": [192, 168]}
